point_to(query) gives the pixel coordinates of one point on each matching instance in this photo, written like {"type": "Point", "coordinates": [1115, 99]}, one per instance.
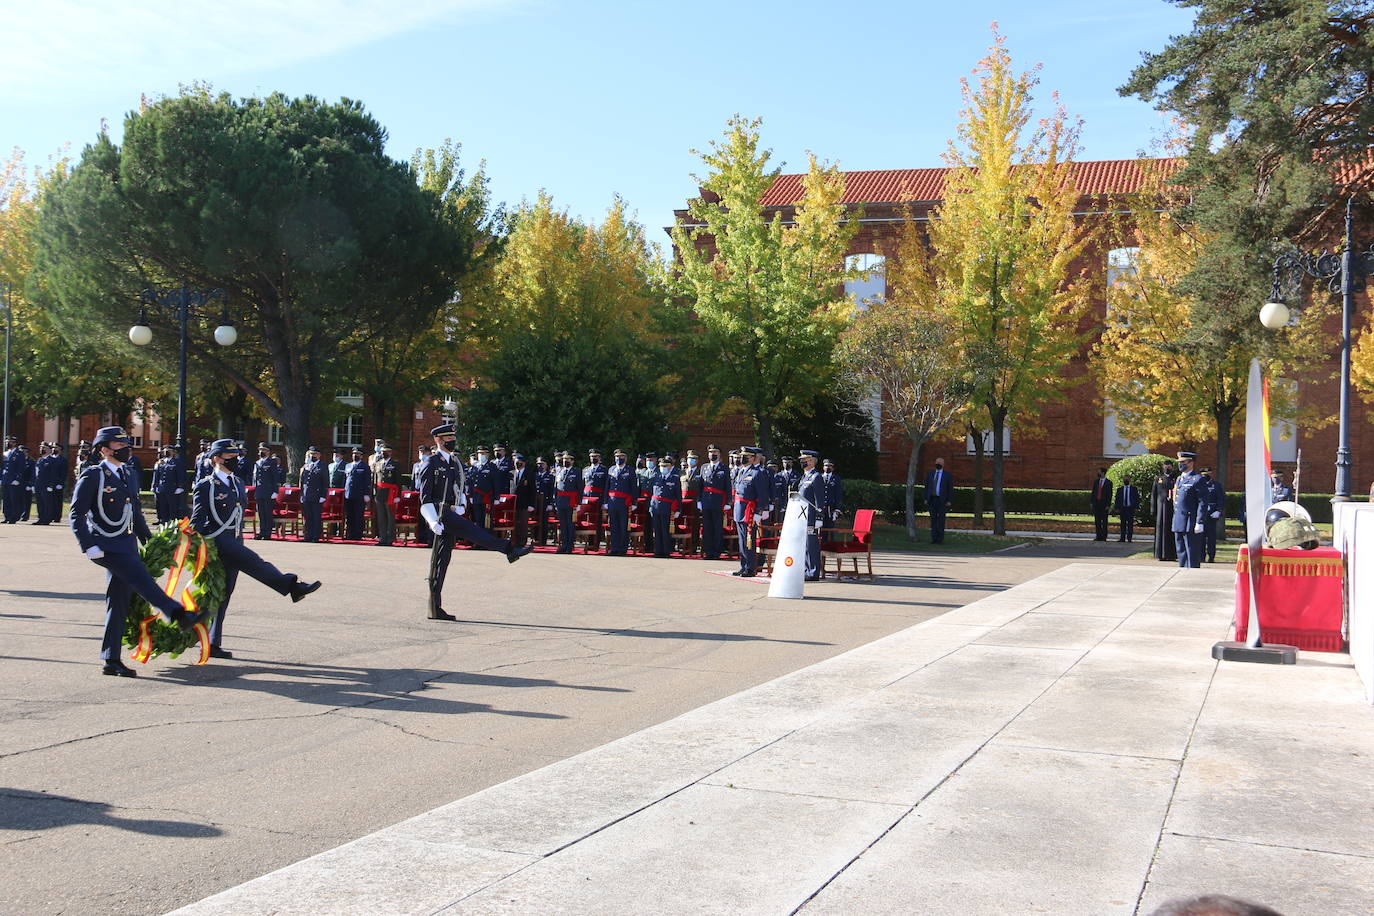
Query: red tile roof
{"type": "Point", "coordinates": [1107, 176]}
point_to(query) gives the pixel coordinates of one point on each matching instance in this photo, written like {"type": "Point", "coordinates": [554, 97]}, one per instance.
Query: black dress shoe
{"type": "Point", "coordinates": [116, 668]}
{"type": "Point", "coordinates": [441, 614]}
{"type": "Point", "coordinates": [516, 553]}
{"type": "Point", "coordinates": [217, 652]}
{"type": "Point", "coordinates": [813, 578]}
{"type": "Point", "coordinates": [300, 589]}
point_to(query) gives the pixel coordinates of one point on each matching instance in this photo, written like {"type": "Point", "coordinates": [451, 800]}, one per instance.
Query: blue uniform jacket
{"type": "Point", "coordinates": [314, 482]}
{"type": "Point", "coordinates": [482, 481]}
{"type": "Point", "coordinates": [594, 481]}
{"type": "Point", "coordinates": [50, 472]}
{"type": "Point", "coordinates": [810, 489]}
{"type": "Point", "coordinates": [18, 469]}
{"type": "Point", "coordinates": [106, 512]}
{"type": "Point", "coordinates": [357, 480]}
{"type": "Point", "coordinates": [168, 475]}
{"type": "Point", "coordinates": [267, 477]}
{"type": "Point", "coordinates": [1212, 497]}
{"type": "Point", "coordinates": [665, 487]}
{"type": "Point", "coordinates": [217, 507]}
{"type": "Point", "coordinates": [622, 480]}
{"type": "Point", "coordinates": [754, 484]}
{"type": "Point", "coordinates": [714, 477]}
{"type": "Point", "coordinates": [834, 492]}
{"type": "Point", "coordinates": [441, 482]}
{"type": "Point", "coordinates": [1187, 502]}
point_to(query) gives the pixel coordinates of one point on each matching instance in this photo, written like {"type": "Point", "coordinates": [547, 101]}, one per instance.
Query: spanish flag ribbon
{"type": "Point", "coordinates": [144, 650]}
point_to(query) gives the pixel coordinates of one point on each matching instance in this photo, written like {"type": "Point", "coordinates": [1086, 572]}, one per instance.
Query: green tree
{"type": "Point", "coordinates": [290, 205]}
{"type": "Point", "coordinates": [1000, 266]}
{"type": "Point", "coordinates": [758, 300]}
{"type": "Point", "coordinates": [569, 359]}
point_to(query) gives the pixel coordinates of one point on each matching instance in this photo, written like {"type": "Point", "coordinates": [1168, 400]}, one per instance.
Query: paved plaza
{"type": "Point", "coordinates": [348, 712]}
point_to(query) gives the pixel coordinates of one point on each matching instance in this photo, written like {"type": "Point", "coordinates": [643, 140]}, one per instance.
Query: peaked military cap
{"type": "Point", "coordinates": [691, 453]}
{"type": "Point", "coordinates": [593, 453]}
{"type": "Point", "coordinates": [105, 435]}
{"type": "Point", "coordinates": [620, 453]}
{"type": "Point", "coordinates": [312, 448]}
{"type": "Point", "coordinates": [750, 450]}
{"type": "Point", "coordinates": [499, 445]}
{"type": "Point", "coordinates": [483, 448]}
{"type": "Point", "coordinates": [651, 454]}
{"type": "Point", "coordinates": [773, 463]}
{"type": "Point", "coordinates": [1191, 456]}
{"type": "Point", "coordinates": [220, 446]}
{"type": "Point", "coordinates": [444, 429]}
{"type": "Point", "coordinates": [262, 447]}
{"type": "Point", "coordinates": [713, 448]}
{"type": "Point", "coordinates": [1204, 470]}
{"type": "Point", "coordinates": [541, 458]}
{"type": "Point", "coordinates": [809, 453]}
{"type": "Point", "coordinates": [518, 456]}
{"type": "Point", "coordinates": [829, 462]}
{"type": "Point", "coordinates": [386, 447]}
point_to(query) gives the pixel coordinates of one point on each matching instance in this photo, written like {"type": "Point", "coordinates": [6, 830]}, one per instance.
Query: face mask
{"type": "Point", "coordinates": [620, 462]}
{"type": "Point", "coordinates": [567, 464]}
{"type": "Point", "coordinates": [482, 459]}
{"type": "Point", "coordinates": [691, 462]}
{"type": "Point", "coordinates": [123, 454]}
{"type": "Point", "coordinates": [448, 445]}
{"type": "Point", "coordinates": [231, 464]}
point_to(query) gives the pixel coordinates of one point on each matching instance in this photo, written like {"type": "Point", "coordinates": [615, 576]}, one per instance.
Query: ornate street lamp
{"type": "Point", "coordinates": [183, 304]}
{"type": "Point", "coordinates": [1345, 273]}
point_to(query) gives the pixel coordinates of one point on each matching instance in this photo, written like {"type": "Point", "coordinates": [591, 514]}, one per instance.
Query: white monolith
{"type": "Point", "coordinates": [789, 563]}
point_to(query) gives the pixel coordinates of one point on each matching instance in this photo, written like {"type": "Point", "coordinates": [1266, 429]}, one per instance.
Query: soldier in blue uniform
{"type": "Point", "coordinates": [594, 476]}
{"type": "Point", "coordinates": [17, 476]}
{"type": "Point", "coordinates": [1187, 522]}
{"type": "Point", "coordinates": [810, 487]}
{"type": "Point", "coordinates": [11, 445]}
{"type": "Point", "coordinates": [314, 484]}
{"type": "Point", "coordinates": [567, 493]}
{"type": "Point", "coordinates": [543, 485]}
{"type": "Point", "coordinates": [790, 471]}
{"type": "Point", "coordinates": [502, 469]}
{"type": "Point", "coordinates": [753, 495]}
{"type": "Point", "coordinates": [51, 483]}
{"type": "Point", "coordinates": [204, 466]}
{"type": "Point", "coordinates": [481, 487]}
{"type": "Point", "coordinates": [40, 500]}
{"type": "Point", "coordinates": [646, 476]}
{"type": "Point", "coordinates": [525, 495]}
{"type": "Point", "coordinates": [1213, 499]}
{"type": "Point", "coordinates": [109, 525]}
{"type": "Point", "coordinates": [691, 496]}
{"type": "Point", "coordinates": [217, 505]}
{"type": "Point", "coordinates": [665, 494]}
{"type": "Point", "coordinates": [778, 481]}
{"type": "Point", "coordinates": [422, 532]}
{"type": "Point", "coordinates": [357, 494]}
{"type": "Point", "coordinates": [715, 485]}
{"type": "Point", "coordinates": [442, 503]}
{"type": "Point", "coordinates": [834, 493]}
{"type": "Point", "coordinates": [338, 470]}
{"type": "Point", "coordinates": [169, 486]}
{"type": "Point", "coordinates": [1279, 491]}
{"type": "Point", "coordinates": [622, 488]}
{"type": "Point", "coordinates": [267, 479]}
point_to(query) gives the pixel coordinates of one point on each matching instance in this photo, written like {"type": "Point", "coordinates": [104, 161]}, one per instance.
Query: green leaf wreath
{"type": "Point", "coordinates": [207, 589]}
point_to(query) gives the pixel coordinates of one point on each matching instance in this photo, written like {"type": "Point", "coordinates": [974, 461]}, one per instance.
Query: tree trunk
{"type": "Point", "coordinates": [64, 433]}
{"type": "Point", "coordinates": [230, 413]}
{"type": "Point", "coordinates": [976, 435]}
{"type": "Point", "coordinates": [296, 429]}
{"type": "Point", "coordinates": [763, 429]}
{"type": "Point", "coordinates": [911, 466]}
{"type": "Point", "coordinates": [1224, 418]}
{"type": "Point", "coordinates": [998, 415]}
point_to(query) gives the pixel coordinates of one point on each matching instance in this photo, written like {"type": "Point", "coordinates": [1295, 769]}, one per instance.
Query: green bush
{"type": "Point", "coordinates": [1142, 469]}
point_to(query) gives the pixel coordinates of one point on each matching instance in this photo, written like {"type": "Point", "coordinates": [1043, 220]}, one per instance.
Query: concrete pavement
{"type": "Point", "coordinates": [348, 712]}
{"type": "Point", "coordinates": [1065, 746]}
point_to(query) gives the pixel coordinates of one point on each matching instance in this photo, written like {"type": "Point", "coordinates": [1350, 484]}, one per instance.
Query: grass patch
{"type": "Point", "coordinates": [893, 537]}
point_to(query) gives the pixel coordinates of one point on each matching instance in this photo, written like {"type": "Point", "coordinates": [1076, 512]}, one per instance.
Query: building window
{"type": "Point", "coordinates": [349, 430]}
{"type": "Point", "coordinates": [987, 442]}
{"type": "Point", "coordinates": [274, 433]}
{"type": "Point", "coordinates": [138, 441]}
{"type": "Point", "coordinates": [350, 396]}
{"type": "Point", "coordinates": [1114, 444]}
{"type": "Point", "coordinates": [872, 286]}
{"type": "Point", "coordinates": [1283, 437]}
{"type": "Point", "coordinates": [1121, 265]}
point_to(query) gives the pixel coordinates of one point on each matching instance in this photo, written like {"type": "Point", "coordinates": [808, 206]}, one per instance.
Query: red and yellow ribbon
{"type": "Point", "coordinates": [144, 650]}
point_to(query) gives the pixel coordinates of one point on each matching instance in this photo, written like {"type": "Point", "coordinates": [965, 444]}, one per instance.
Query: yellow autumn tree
{"type": "Point", "coordinates": [998, 268]}
{"type": "Point", "coordinates": [1166, 372]}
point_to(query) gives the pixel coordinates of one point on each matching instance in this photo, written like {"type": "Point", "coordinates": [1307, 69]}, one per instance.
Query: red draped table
{"type": "Point", "coordinates": [1299, 598]}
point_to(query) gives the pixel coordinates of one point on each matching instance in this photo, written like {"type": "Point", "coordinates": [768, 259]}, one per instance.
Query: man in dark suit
{"type": "Point", "coordinates": [939, 492]}
{"type": "Point", "coordinates": [1127, 502]}
{"type": "Point", "coordinates": [834, 493]}
{"type": "Point", "coordinates": [522, 487]}
{"type": "Point", "coordinates": [314, 483]}
{"type": "Point", "coordinates": [109, 525]}
{"type": "Point", "coordinates": [217, 513]}
{"type": "Point", "coordinates": [1100, 498]}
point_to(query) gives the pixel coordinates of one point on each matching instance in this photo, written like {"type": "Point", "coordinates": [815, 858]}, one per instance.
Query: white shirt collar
{"type": "Point", "coordinates": [224, 476]}
{"type": "Point", "coordinates": [110, 466]}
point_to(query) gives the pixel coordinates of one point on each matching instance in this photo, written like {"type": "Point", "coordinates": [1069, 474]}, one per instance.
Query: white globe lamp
{"type": "Point", "coordinates": [1274, 315]}
{"type": "Point", "coordinates": [226, 334]}
{"type": "Point", "coordinates": [141, 335]}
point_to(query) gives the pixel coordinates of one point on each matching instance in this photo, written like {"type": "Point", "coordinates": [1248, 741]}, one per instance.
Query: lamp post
{"type": "Point", "coordinates": [1342, 272]}
{"type": "Point", "coordinates": [184, 304]}
{"type": "Point", "coordinates": [5, 288]}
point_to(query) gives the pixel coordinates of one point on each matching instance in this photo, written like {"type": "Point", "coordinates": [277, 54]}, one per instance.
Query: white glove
{"type": "Point", "coordinates": [179, 490]}
{"type": "Point", "coordinates": [1216, 515]}
{"type": "Point", "coordinates": [94, 553]}
{"type": "Point", "coordinates": [698, 505]}
{"type": "Point", "coordinates": [322, 499]}
{"type": "Point", "coordinates": [49, 489]}
{"type": "Point", "coordinates": [460, 510]}
{"type": "Point", "coordinates": [1197, 529]}
{"type": "Point", "coordinates": [30, 489]}
{"type": "Point", "coordinates": [367, 499]}
{"type": "Point", "coordinates": [274, 497]}
{"type": "Point", "coordinates": [437, 527]}
{"type": "Point", "coordinates": [763, 516]}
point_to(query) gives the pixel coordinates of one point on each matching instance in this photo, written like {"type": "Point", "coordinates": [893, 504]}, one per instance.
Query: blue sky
{"type": "Point", "coordinates": [588, 99]}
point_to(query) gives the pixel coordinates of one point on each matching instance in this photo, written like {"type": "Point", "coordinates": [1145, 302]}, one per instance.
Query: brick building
{"type": "Point", "coordinates": [1078, 435]}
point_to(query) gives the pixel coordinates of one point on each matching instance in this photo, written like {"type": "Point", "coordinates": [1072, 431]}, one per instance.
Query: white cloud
{"type": "Point", "coordinates": [56, 46]}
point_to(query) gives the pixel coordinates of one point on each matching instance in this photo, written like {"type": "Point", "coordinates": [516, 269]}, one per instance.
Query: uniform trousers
{"type": "Point", "coordinates": [478, 510]}
{"type": "Point", "coordinates": [354, 519]}
{"type": "Point", "coordinates": [1189, 547]}
{"type": "Point", "coordinates": [312, 510]}
{"type": "Point", "coordinates": [662, 516]}
{"type": "Point", "coordinates": [618, 525]}
{"type": "Point", "coordinates": [1209, 538]}
{"type": "Point", "coordinates": [712, 533]}
{"type": "Point", "coordinates": [813, 555]}
{"type": "Point", "coordinates": [239, 558]}
{"type": "Point", "coordinates": [49, 505]}
{"type": "Point", "coordinates": [170, 505]}
{"type": "Point", "coordinates": [124, 575]}
{"type": "Point", "coordinates": [566, 530]}
{"type": "Point", "coordinates": [386, 521]}
{"type": "Point", "coordinates": [16, 502]}
{"type": "Point", "coordinates": [1128, 525]}
{"type": "Point", "coordinates": [266, 523]}
{"type": "Point", "coordinates": [747, 558]}
{"type": "Point", "coordinates": [441, 551]}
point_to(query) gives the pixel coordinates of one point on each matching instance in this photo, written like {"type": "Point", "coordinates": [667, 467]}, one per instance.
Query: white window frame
{"type": "Point", "coordinates": [274, 434]}
{"type": "Point", "coordinates": [1120, 262]}
{"type": "Point", "coordinates": [1283, 435]}
{"type": "Point", "coordinates": [350, 396]}
{"type": "Point", "coordinates": [351, 427]}
{"type": "Point", "coordinates": [873, 286]}
{"type": "Point", "coordinates": [1114, 445]}
{"type": "Point", "coordinates": [987, 441]}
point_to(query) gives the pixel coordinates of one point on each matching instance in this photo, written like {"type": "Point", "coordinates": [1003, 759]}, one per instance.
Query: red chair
{"type": "Point", "coordinates": [639, 522]}
{"type": "Point", "coordinates": [408, 512]}
{"type": "Point", "coordinates": [685, 528]}
{"type": "Point", "coordinates": [588, 523]}
{"type": "Point", "coordinates": [860, 541]}
{"type": "Point", "coordinates": [332, 512]}
{"type": "Point", "coordinates": [767, 545]}
{"type": "Point", "coordinates": [731, 533]}
{"type": "Point", "coordinates": [503, 515]}
{"type": "Point", "coordinates": [286, 511]}
{"type": "Point", "coordinates": [250, 509]}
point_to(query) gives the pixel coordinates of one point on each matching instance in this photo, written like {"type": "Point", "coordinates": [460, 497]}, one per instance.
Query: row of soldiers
{"type": "Point", "coordinates": [29, 481]}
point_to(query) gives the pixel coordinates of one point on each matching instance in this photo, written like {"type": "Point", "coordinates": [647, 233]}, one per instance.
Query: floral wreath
{"type": "Point", "coordinates": [195, 576]}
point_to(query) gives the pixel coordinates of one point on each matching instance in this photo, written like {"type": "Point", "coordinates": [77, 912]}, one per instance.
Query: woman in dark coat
{"type": "Point", "coordinates": [1162, 504]}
